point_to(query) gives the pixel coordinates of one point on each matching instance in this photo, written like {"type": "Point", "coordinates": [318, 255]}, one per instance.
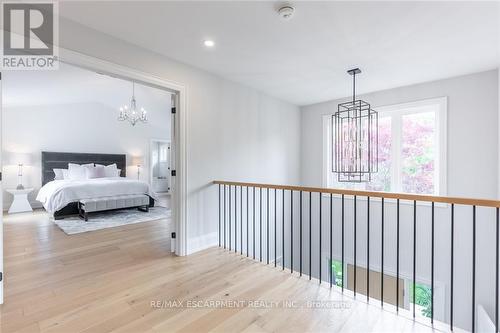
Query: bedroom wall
{"type": "Point", "coordinates": [79, 127]}
{"type": "Point", "coordinates": [473, 148]}
{"type": "Point", "coordinates": [233, 132]}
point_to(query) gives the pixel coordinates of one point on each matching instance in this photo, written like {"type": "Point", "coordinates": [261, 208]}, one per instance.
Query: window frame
{"type": "Point", "coordinates": [396, 112]}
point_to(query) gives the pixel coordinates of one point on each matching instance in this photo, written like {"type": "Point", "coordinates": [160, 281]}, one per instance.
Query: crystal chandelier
{"type": "Point", "coordinates": [355, 139]}
{"type": "Point", "coordinates": [131, 113]}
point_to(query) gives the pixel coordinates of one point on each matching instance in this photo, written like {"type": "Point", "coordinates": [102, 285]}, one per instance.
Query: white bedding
{"type": "Point", "coordinates": [58, 193]}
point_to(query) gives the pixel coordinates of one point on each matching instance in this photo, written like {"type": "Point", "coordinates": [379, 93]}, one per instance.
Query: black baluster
{"type": "Point", "coordinates": [397, 256]}
{"type": "Point", "coordinates": [253, 228]}
{"type": "Point", "coordinates": [355, 265]}
{"type": "Point", "coordinates": [267, 225]}
{"type": "Point", "coordinates": [235, 219]}
{"type": "Point", "coordinates": [451, 265]}
{"type": "Point", "coordinates": [283, 232]}
{"type": "Point", "coordinates": [230, 218]}
{"type": "Point", "coordinates": [241, 220]}
{"type": "Point", "coordinates": [260, 224]}
{"type": "Point", "coordinates": [414, 252]}
{"type": "Point", "coordinates": [496, 270]}
{"type": "Point", "coordinates": [300, 232]}
{"type": "Point", "coordinates": [219, 217]}
{"type": "Point", "coordinates": [473, 269]}
{"type": "Point", "coordinates": [224, 215]}
{"type": "Point", "coordinates": [432, 264]}
{"type": "Point", "coordinates": [275, 230]}
{"type": "Point", "coordinates": [310, 235]}
{"type": "Point", "coordinates": [331, 240]}
{"type": "Point", "coordinates": [368, 249]}
{"type": "Point", "coordinates": [382, 258]}
{"type": "Point", "coordinates": [291, 231]}
{"type": "Point", "coordinates": [342, 243]}
{"type": "Point", "coordinates": [320, 227]}
{"type": "Point", "coordinates": [247, 224]}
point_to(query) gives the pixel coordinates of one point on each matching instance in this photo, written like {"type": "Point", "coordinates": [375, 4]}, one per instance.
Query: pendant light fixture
{"type": "Point", "coordinates": [355, 139]}
{"type": "Point", "coordinates": [131, 113]}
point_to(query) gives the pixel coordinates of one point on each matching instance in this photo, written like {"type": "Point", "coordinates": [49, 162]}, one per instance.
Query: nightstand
{"type": "Point", "coordinates": [20, 203]}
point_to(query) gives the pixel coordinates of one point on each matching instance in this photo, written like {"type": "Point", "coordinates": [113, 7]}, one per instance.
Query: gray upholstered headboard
{"type": "Point", "coordinates": [58, 160]}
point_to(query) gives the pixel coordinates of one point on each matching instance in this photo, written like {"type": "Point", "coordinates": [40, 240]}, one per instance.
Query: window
{"type": "Point", "coordinates": [412, 150]}
{"type": "Point", "coordinates": [163, 152]}
{"type": "Point", "coordinates": [422, 301]}
{"type": "Point", "coordinates": [337, 272]}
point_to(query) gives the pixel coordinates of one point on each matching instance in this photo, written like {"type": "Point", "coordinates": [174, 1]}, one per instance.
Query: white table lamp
{"type": "Point", "coordinates": [138, 161]}
{"type": "Point", "coordinates": [21, 160]}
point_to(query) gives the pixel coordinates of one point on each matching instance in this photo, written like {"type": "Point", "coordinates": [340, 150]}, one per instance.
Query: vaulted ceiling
{"type": "Point", "coordinates": [304, 60]}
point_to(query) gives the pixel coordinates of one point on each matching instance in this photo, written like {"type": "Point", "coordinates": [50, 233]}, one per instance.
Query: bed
{"type": "Point", "coordinates": [61, 197]}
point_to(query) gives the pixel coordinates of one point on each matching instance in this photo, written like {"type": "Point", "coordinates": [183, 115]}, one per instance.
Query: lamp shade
{"type": "Point", "coordinates": [137, 160]}
{"type": "Point", "coordinates": [14, 158]}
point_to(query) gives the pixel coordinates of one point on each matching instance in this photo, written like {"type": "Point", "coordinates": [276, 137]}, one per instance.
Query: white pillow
{"type": "Point", "coordinates": [94, 172]}
{"type": "Point", "coordinates": [118, 172]}
{"type": "Point", "coordinates": [76, 172]}
{"type": "Point", "coordinates": [110, 170]}
{"type": "Point", "coordinates": [65, 174]}
{"type": "Point", "coordinates": [58, 174]}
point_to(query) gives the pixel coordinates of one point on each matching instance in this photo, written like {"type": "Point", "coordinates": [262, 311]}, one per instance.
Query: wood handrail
{"type": "Point", "coordinates": [389, 195]}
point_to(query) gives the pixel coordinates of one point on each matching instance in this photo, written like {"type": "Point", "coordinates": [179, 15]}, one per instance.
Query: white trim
{"type": "Point", "coordinates": [203, 242]}
{"type": "Point", "coordinates": [180, 194]}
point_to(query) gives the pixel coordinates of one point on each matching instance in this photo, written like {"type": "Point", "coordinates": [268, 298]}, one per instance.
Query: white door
{"type": "Point", "coordinates": [1, 201]}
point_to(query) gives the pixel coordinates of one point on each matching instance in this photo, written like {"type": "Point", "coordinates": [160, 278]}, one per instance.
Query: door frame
{"type": "Point", "coordinates": [178, 129]}
{"type": "Point", "coordinates": [178, 132]}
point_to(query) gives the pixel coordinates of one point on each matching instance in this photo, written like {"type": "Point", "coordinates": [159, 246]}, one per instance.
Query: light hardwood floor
{"type": "Point", "coordinates": [110, 280]}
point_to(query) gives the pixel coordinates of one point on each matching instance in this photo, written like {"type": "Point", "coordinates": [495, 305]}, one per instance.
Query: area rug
{"type": "Point", "coordinates": [110, 219]}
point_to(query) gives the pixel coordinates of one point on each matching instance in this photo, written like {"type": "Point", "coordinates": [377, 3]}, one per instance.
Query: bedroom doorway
{"type": "Point", "coordinates": [176, 158]}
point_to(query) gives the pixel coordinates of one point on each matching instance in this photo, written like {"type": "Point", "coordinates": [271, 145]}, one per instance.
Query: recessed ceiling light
{"type": "Point", "coordinates": [209, 43]}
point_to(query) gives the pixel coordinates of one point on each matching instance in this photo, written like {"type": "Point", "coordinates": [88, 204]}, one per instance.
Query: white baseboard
{"type": "Point", "coordinates": [200, 243]}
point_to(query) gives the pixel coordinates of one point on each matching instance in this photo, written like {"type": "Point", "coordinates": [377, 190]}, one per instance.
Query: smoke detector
{"type": "Point", "coordinates": [286, 12]}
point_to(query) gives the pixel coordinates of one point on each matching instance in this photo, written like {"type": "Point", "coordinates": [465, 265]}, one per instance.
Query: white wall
{"type": "Point", "coordinates": [472, 172]}
{"type": "Point", "coordinates": [82, 127]}
{"type": "Point", "coordinates": [234, 132]}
